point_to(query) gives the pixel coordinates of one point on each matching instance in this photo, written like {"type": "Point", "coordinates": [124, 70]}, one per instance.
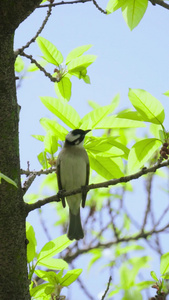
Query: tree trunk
{"type": "Point", "coordinates": [13, 263]}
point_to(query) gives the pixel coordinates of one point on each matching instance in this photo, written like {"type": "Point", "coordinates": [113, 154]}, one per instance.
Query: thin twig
{"type": "Point", "coordinates": [160, 2]}
{"type": "Point", "coordinates": [19, 51]}
{"type": "Point", "coordinates": [65, 2]}
{"type": "Point", "coordinates": [108, 286]}
{"type": "Point", "coordinates": [99, 8]}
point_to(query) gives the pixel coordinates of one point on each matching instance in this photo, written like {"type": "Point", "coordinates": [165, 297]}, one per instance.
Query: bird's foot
{"type": "Point", "coordinates": [61, 197]}
{"type": "Point", "coordinates": [84, 194]}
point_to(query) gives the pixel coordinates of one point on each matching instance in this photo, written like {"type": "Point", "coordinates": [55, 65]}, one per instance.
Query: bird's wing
{"type": "Point", "coordinates": [60, 183]}
{"type": "Point", "coordinates": [84, 193]}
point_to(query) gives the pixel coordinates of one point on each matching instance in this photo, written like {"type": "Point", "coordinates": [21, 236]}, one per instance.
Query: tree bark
{"type": "Point", "coordinates": [13, 262]}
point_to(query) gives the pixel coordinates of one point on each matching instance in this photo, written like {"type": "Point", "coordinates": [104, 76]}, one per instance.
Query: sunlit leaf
{"type": "Point", "coordinates": [50, 52]}
{"type": "Point", "coordinates": [148, 106]}
{"type": "Point", "coordinates": [53, 247]}
{"type": "Point", "coordinates": [141, 152]}
{"type": "Point", "coordinates": [39, 291]}
{"type": "Point", "coordinates": [55, 127]}
{"type": "Point", "coordinates": [113, 5]}
{"type": "Point", "coordinates": [113, 122]}
{"type": "Point", "coordinates": [153, 275]}
{"type": "Point", "coordinates": [106, 145]}
{"type": "Point", "coordinates": [77, 52]}
{"type": "Point", "coordinates": [70, 277]}
{"type": "Point", "coordinates": [133, 11]}
{"type": "Point", "coordinates": [98, 114]}
{"type": "Point", "coordinates": [43, 160]}
{"type": "Point", "coordinates": [19, 64]}
{"type": "Point", "coordinates": [52, 263]}
{"type": "Point", "coordinates": [164, 265]}
{"type": "Point", "coordinates": [50, 143]}
{"type": "Point", "coordinates": [105, 166]}
{"type": "Point", "coordinates": [166, 93]}
{"type": "Point", "coordinates": [63, 88]}
{"type": "Point", "coordinates": [81, 62]}
{"type": "Point", "coordinates": [31, 247]}
{"type": "Point", "coordinates": [38, 137]}
{"type": "Point", "coordinates": [63, 111]}
{"type": "Point", "coordinates": [9, 180]}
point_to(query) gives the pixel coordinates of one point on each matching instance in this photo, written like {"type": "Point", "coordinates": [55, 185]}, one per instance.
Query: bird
{"type": "Point", "coordinates": [73, 170]}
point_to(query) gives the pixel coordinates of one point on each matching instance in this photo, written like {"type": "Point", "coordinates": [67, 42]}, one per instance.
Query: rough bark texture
{"type": "Point", "coordinates": [13, 267]}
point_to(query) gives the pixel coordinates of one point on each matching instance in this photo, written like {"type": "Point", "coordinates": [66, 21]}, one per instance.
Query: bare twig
{"type": "Point", "coordinates": [108, 285]}
{"type": "Point", "coordinates": [53, 79]}
{"type": "Point", "coordinates": [105, 184]}
{"type": "Point", "coordinates": [19, 51]}
{"type": "Point", "coordinates": [160, 2]}
{"type": "Point", "coordinates": [65, 2]}
{"type": "Point", "coordinates": [99, 8]}
{"type": "Point", "coordinates": [28, 182]}
{"type": "Point", "coordinates": [38, 173]}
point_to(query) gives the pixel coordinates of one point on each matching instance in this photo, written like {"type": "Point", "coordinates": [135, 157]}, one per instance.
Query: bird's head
{"type": "Point", "coordinates": [76, 137]}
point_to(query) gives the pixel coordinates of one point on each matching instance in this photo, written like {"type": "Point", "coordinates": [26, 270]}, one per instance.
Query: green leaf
{"type": "Point", "coordinates": [38, 137]}
{"type": "Point", "coordinates": [31, 247]}
{"type": "Point", "coordinates": [113, 122]}
{"type": "Point", "coordinates": [53, 247]}
{"type": "Point", "coordinates": [39, 291]}
{"type": "Point", "coordinates": [97, 254]}
{"type": "Point", "coordinates": [141, 152]}
{"type": "Point", "coordinates": [113, 5]}
{"type": "Point", "coordinates": [123, 250]}
{"type": "Point", "coordinates": [48, 276]}
{"type": "Point", "coordinates": [70, 277]}
{"type": "Point", "coordinates": [106, 145]}
{"type": "Point", "coordinates": [164, 265]}
{"type": "Point", "coordinates": [9, 180]}
{"type": "Point", "coordinates": [50, 52]}
{"type": "Point", "coordinates": [144, 285]}
{"type": "Point", "coordinates": [43, 160]}
{"type": "Point", "coordinates": [166, 93]}
{"type": "Point", "coordinates": [19, 64]}
{"type": "Point", "coordinates": [105, 166]}
{"type": "Point", "coordinates": [63, 88]}
{"type": "Point", "coordinates": [55, 127]}
{"type": "Point", "coordinates": [131, 115]}
{"type": "Point", "coordinates": [133, 12]}
{"type": "Point", "coordinates": [98, 114]}
{"type": "Point", "coordinates": [51, 143]}
{"type": "Point", "coordinates": [63, 111]}
{"type": "Point", "coordinates": [81, 63]}
{"type": "Point", "coordinates": [153, 275]}
{"type": "Point", "coordinates": [53, 263]}
{"type": "Point", "coordinates": [148, 106]}
{"type": "Point", "coordinates": [77, 52]}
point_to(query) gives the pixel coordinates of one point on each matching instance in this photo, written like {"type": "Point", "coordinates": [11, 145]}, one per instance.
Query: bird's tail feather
{"type": "Point", "coordinates": [75, 230]}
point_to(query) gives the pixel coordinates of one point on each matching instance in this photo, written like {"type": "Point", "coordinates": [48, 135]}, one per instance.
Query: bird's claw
{"type": "Point", "coordinates": [61, 197]}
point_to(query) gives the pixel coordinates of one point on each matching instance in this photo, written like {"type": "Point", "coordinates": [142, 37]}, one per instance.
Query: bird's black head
{"type": "Point", "coordinates": [76, 137]}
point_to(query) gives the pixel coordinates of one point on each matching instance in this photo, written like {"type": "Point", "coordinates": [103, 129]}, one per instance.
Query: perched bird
{"type": "Point", "coordinates": [72, 173]}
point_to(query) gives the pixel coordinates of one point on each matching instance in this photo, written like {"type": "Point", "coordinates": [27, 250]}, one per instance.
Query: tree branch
{"type": "Point", "coordinates": [160, 2]}
{"type": "Point", "coordinates": [108, 286]}
{"type": "Point", "coordinates": [56, 198]}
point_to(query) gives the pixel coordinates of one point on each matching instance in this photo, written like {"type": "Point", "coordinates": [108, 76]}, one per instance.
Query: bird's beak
{"type": "Point", "coordinates": [86, 131]}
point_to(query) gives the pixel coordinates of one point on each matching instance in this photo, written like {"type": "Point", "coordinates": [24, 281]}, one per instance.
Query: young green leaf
{"type": "Point", "coordinates": [113, 5]}
{"type": "Point", "coordinates": [113, 122]}
{"type": "Point", "coordinates": [133, 12]}
{"type": "Point", "coordinates": [70, 277]}
{"type": "Point", "coordinates": [106, 145]}
{"type": "Point", "coordinates": [166, 93]}
{"type": "Point", "coordinates": [54, 127]}
{"type": "Point", "coordinates": [31, 247]}
{"type": "Point", "coordinates": [53, 247]}
{"type": "Point", "coordinates": [52, 263]}
{"type": "Point", "coordinates": [77, 52]}
{"type": "Point", "coordinates": [50, 52]}
{"type": "Point", "coordinates": [43, 160]}
{"type": "Point", "coordinates": [105, 166]}
{"type": "Point", "coordinates": [38, 137]}
{"type": "Point", "coordinates": [98, 114]}
{"type": "Point", "coordinates": [50, 143]}
{"type": "Point", "coordinates": [164, 265]}
{"type": "Point", "coordinates": [63, 88]}
{"type": "Point", "coordinates": [63, 111]}
{"type": "Point", "coordinates": [38, 292]}
{"type": "Point", "coordinates": [9, 180]}
{"type": "Point", "coordinates": [141, 152]}
{"type": "Point", "coordinates": [80, 63]}
{"type": "Point", "coordinates": [148, 106]}
{"type": "Point", "coordinates": [19, 64]}
{"type": "Point", "coordinates": [153, 275]}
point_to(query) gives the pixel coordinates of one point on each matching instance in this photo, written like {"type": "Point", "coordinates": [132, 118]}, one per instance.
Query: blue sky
{"type": "Point", "coordinates": [137, 59]}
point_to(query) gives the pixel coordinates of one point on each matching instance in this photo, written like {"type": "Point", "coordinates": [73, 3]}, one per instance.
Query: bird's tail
{"type": "Point", "coordinates": [75, 230]}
